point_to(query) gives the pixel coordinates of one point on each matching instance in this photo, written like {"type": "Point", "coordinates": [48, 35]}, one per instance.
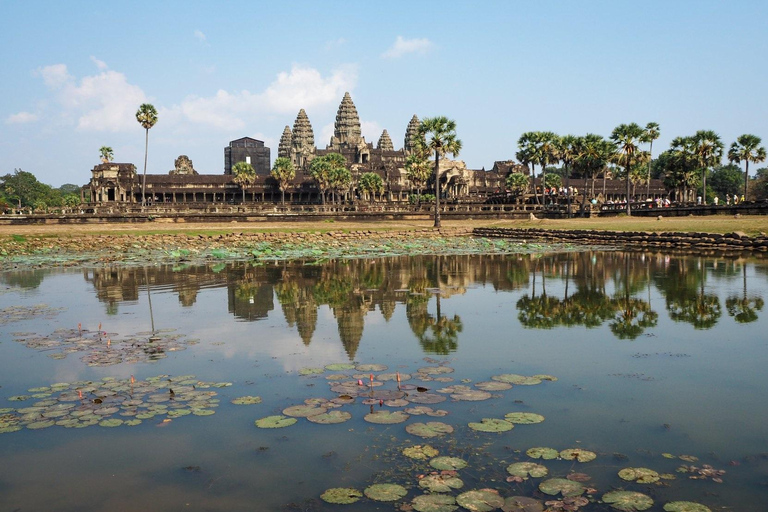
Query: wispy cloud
{"type": "Point", "coordinates": [404, 46]}
{"type": "Point", "coordinates": [99, 63]}
{"type": "Point", "coordinates": [336, 43]}
{"type": "Point", "coordinates": [21, 118]}
{"type": "Point", "coordinates": [200, 36]}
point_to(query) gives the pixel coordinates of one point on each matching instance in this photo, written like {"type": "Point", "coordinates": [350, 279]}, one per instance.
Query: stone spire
{"type": "Point", "coordinates": [284, 149]}
{"type": "Point", "coordinates": [302, 140]}
{"type": "Point", "coordinates": [347, 127]}
{"type": "Point", "coordinates": [410, 133]}
{"type": "Point", "coordinates": [385, 143]}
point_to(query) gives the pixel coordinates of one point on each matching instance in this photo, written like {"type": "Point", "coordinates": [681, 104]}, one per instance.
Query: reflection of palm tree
{"type": "Point", "coordinates": [701, 311]}
{"type": "Point", "coordinates": [149, 296]}
{"type": "Point", "coordinates": [744, 309]}
{"type": "Point", "coordinates": [636, 314]}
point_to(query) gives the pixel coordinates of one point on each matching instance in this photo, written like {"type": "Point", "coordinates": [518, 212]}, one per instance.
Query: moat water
{"type": "Point", "coordinates": [655, 357]}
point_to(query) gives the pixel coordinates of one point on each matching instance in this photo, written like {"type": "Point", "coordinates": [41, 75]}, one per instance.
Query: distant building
{"type": "Point", "coordinates": [247, 150]}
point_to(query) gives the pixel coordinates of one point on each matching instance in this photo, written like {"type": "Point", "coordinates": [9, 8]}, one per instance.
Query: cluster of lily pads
{"type": "Point", "coordinates": [104, 349]}
{"type": "Point", "coordinates": [18, 313]}
{"type": "Point", "coordinates": [111, 402]}
{"type": "Point", "coordinates": [437, 486]}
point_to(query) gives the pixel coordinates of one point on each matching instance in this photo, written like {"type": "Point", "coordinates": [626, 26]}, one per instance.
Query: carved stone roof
{"type": "Point", "coordinates": [303, 137]}
{"type": "Point", "coordinates": [410, 133]}
{"type": "Point", "coordinates": [284, 149]}
{"type": "Point", "coordinates": [385, 143]}
{"type": "Point", "coordinates": [347, 127]}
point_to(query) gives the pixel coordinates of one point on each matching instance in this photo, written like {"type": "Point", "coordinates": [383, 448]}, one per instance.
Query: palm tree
{"type": "Point", "coordinates": [417, 170]}
{"type": "Point", "coordinates": [147, 118]}
{"type": "Point", "coordinates": [747, 148]}
{"type": "Point", "coordinates": [593, 153]}
{"type": "Point", "coordinates": [106, 154]}
{"type": "Point", "coordinates": [439, 135]}
{"type": "Point", "coordinates": [547, 154]}
{"type": "Point", "coordinates": [683, 156]}
{"type": "Point", "coordinates": [244, 174]}
{"type": "Point", "coordinates": [650, 134]}
{"type": "Point", "coordinates": [338, 174]}
{"type": "Point", "coordinates": [283, 171]}
{"type": "Point", "coordinates": [526, 155]}
{"type": "Point", "coordinates": [371, 183]}
{"type": "Point", "coordinates": [320, 169]}
{"type": "Point", "coordinates": [626, 137]}
{"type": "Point", "coordinates": [708, 149]}
{"type": "Point", "coordinates": [567, 150]}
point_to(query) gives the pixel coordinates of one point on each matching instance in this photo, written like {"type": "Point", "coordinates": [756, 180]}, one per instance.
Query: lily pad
{"type": "Point", "coordinates": [492, 425]}
{"type": "Point", "coordinates": [540, 376]}
{"type": "Point", "coordinates": [370, 367]}
{"type": "Point", "coordinates": [37, 425]}
{"type": "Point", "coordinates": [628, 501]}
{"type": "Point", "coordinates": [386, 417]}
{"type": "Point", "coordinates": [474, 395]}
{"type": "Point", "coordinates": [448, 463]}
{"type": "Point", "coordinates": [441, 483]}
{"type": "Point", "coordinates": [482, 500]}
{"type": "Point", "coordinates": [685, 506]}
{"type": "Point", "coordinates": [555, 486]}
{"type": "Point", "coordinates": [522, 504]}
{"type": "Point", "coordinates": [303, 411]}
{"type": "Point", "coordinates": [639, 475]}
{"type": "Point", "coordinates": [385, 492]}
{"type": "Point", "coordinates": [277, 421]}
{"type": "Point", "coordinates": [523, 418]}
{"type": "Point", "coordinates": [426, 398]}
{"type": "Point", "coordinates": [435, 370]}
{"type": "Point", "coordinates": [338, 367]}
{"type": "Point", "coordinates": [578, 454]}
{"type": "Point", "coordinates": [493, 386]}
{"type": "Point", "coordinates": [311, 371]}
{"type": "Point", "coordinates": [111, 423]}
{"type": "Point", "coordinates": [429, 429]}
{"type": "Point", "coordinates": [341, 495]}
{"type": "Point", "coordinates": [420, 452]}
{"type": "Point", "coordinates": [513, 378]}
{"type": "Point", "coordinates": [525, 469]}
{"type": "Point", "coordinates": [541, 452]}
{"type": "Point", "coordinates": [247, 400]}
{"type": "Point", "coordinates": [434, 503]}
{"type": "Point", "coordinates": [330, 417]}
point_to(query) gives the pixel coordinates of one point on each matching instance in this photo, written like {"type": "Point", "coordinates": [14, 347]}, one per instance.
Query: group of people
{"type": "Point", "coordinates": [728, 198]}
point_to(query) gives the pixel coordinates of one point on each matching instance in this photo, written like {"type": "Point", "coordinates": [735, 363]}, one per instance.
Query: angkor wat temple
{"type": "Point", "coordinates": [121, 183]}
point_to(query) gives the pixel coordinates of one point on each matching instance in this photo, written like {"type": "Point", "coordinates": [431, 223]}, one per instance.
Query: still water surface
{"type": "Point", "coordinates": [652, 353]}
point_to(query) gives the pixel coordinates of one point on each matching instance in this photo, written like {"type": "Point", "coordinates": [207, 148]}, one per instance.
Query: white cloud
{"type": "Point", "coordinates": [99, 63]}
{"type": "Point", "coordinates": [403, 46]}
{"type": "Point", "coordinates": [21, 118]}
{"type": "Point", "coordinates": [200, 36]}
{"type": "Point", "coordinates": [326, 132]}
{"type": "Point", "coordinates": [371, 130]}
{"type": "Point", "coordinates": [55, 75]}
{"type": "Point", "coordinates": [336, 43]}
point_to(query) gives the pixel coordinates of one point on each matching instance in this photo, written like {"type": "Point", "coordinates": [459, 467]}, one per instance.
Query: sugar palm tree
{"type": "Point", "coordinates": [283, 171]}
{"type": "Point", "coordinates": [320, 170]}
{"type": "Point", "coordinates": [106, 154]}
{"type": "Point", "coordinates": [708, 149]}
{"type": "Point", "coordinates": [244, 174]}
{"type": "Point", "coordinates": [526, 155]}
{"type": "Point", "coordinates": [147, 118]}
{"type": "Point", "coordinates": [547, 153]}
{"type": "Point", "coordinates": [439, 136]}
{"type": "Point", "coordinates": [567, 151]}
{"type": "Point", "coordinates": [650, 134]}
{"type": "Point", "coordinates": [747, 148]}
{"type": "Point", "coordinates": [417, 170]}
{"type": "Point", "coordinates": [371, 184]}
{"type": "Point", "coordinates": [626, 137]}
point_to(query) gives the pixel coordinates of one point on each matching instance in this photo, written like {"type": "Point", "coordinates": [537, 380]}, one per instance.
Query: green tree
{"type": "Point", "coordinates": [439, 136]}
{"type": "Point", "coordinates": [106, 154]}
{"type": "Point", "coordinates": [747, 148]}
{"type": "Point", "coordinates": [626, 137]}
{"type": "Point", "coordinates": [244, 175]}
{"type": "Point", "coordinates": [340, 176]}
{"type": "Point", "coordinates": [593, 153]}
{"type": "Point", "coordinates": [417, 170]}
{"type": "Point", "coordinates": [147, 118]}
{"type": "Point", "coordinates": [371, 184]}
{"type": "Point", "coordinates": [567, 151]}
{"type": "Point", "coordinates": [650, 134]}
{"type": "Point", "coordinates": [320, 170]}
{"type": "Point", "coordinates": [517, 183]}
{"type": "Point", "coordinates": [726, 180]}
{"type": "Point", "coordinates": [283, 171]}
{"type": "Point", "coordinates": [708, 149]}
{"type": "Point", "coordinates": [23, 188]}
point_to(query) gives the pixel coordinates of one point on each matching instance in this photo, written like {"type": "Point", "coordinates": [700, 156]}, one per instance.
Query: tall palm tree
{"type": "Point", "coordinates": [526, 155]}
{"type": "Point", "coordinates": [547, 154]}
{"type": "Point", "coordinates": [106, 154]}
{"type": "Point", "coordinates": [567, 150]}
{"type": "Point", "coordinates": [747, 148]}
{"type": "Point", "coordinates": [439, 136]}
{"type": "Point", "coordinates": [244, 174]}
{"type": "Point", "coordinates": [650, 134]}
{"type": "Point", "coordinates": [709, 152]}
{"type": "Point", "coordinates": [683, 153]}
{"type": "Point", "coordinates": [283, 171]}
{"type": "Point", "coordinates": [626, 137]}
{"type": "Point", "coordinates": [147, 118]}
{"type": "Point", "coordinates": [417, 170]}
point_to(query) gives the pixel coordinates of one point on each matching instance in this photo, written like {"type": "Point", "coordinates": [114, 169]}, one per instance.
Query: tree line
{"type": "Point", "coordinates": [20, 190]}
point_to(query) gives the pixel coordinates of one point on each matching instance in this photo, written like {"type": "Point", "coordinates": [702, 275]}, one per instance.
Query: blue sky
{"type": "Point", "coordinates": [74, 73]}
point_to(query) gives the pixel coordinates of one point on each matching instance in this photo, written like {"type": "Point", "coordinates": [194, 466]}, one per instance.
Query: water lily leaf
{"type": "Point", "coordinates": [10, 428]}
{"type": "Point", "coordinates": [579, 477]}
{"type": "Point", "coordinates": [36, 425]}
{"type": "Point", "coordinates": [370, 367]}
{"type": "Point", "coordinates": [578, 454]}
{"type": "Point", "coordinates": [303, 411]}
{"type": "Point", "coordinates": [386, 417]}
{"type": "Point", "coordinates": [337, 367]}
{"type": "Point", "coordinates": [555, 486]}
{"type": "Point", "coordinates": [493, 386]}
{"type": "Point", "coordinates": [545, 377]}
{"type": "Point", "coordinates": [688, 458]}
{"type": "Point", "coordinates": [524, 469]}
{"type": "Point", "coordinates": [330, 417]}
{"type": "Point", "coordinates": [483, 500]}
{"type": "Point", "coordinates": [513, 378]}
{"type": "Point", "coordinates": [385, 492]}
{"type": "Point", "coordinates": [341, 495]}
{"type": "Point", "coordinates": [441, 483]}
{"type": "Point", "coordinates": [472, 395]}
{"type": "Point", "coordinates": [420, 452]}
{"type": "Point", "coordinates": [278, 421]}
{"type": "Point", "coordinates": [393, 376]}
{"type": "Point", "coordinates": [426, 398]}
{"type": "Point", "coordinates": [434, 503]}
{"type": "Point", "coordinates": [523, 418]}
{"type": "Point", "coordinates": [311, 371]}
{"type": "Point", "coordinates": [492, 425]}
{"type": "Point", "coordinates": [448, 463]}
{"type": "Point", "coordinates": [628, 501]}
{"type": "Point", "coordinates": [133, 423]}
{"type": "Point", "coordinates": [247, 400]}
{"type": "Point", "coordinates": [397, 402]}
{"type": "Point", "coordinates": [639, 475]}
{"type": "Point", "coordinates": [541, 452]}
{"type": "Point", "coordinates": [668, 456]}
{"type": "Point", "coordinates": [336, 376]}
{"type": "Point", "coordinates": [435, 370]}
{"type": "Point", "coordinates": [522, 504]}
{"type": "Point", "coordinates": [685, 506]}
{"type": "Point", "coordinates": [114, 422]}
{"type": "Point", "coordinates": [429, 429]}
{"type": "Point", "coordinates": [203, 412]}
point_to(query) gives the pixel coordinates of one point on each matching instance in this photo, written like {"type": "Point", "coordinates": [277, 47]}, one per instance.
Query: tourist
{"type": "Point", "coordinates": [717, 199]}
{"type": "Point", "coordinates": [735, 199]}
{"type": "Point", "coordinates": [742, 198]}
{"type": "Point", "coordinates": [727, 199]}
